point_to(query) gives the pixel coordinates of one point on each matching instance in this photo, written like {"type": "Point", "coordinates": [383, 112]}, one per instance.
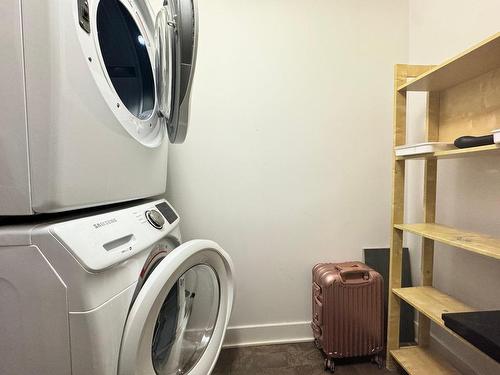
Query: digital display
{"type": "Point", "coordinates": [167, 212]}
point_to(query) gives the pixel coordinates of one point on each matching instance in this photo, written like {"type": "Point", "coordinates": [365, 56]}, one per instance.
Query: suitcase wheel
{"type": "Point", "coordinates": [329, 365]}
{"type": "Point", "coordinates": [317, 344]}
{"type": "Point", "coordinates": [377, 359]}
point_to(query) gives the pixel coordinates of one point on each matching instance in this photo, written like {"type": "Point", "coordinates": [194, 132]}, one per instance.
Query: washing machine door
{"type": "Point", "coordinates": [177, 321]}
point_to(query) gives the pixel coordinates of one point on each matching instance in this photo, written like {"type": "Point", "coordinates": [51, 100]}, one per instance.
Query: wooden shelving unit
{"type": "Point", "coordinates": [457, 92]}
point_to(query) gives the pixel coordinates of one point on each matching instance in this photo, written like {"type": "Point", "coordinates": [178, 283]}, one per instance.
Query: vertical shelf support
{"type": "Point", "coordinates": [398, 195]}
{"type": "Point", "coordinates": [430, 183]}
{"type": "Point", "coordinates": [401, 74]}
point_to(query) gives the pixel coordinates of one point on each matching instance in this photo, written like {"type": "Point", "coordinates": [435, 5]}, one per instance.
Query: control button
{"type": "Point", "coordinates": [155, 219]}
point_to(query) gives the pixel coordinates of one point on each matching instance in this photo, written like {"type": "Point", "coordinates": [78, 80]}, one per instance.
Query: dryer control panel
{"type": "Point", "coordinates": [101, 241]}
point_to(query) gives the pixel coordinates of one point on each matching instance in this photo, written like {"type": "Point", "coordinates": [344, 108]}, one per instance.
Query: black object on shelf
{"type": "Point", "coordinates": [470, 141]}
{"type": "Point", "coordinates": [480, 328]}
{"type": "Point", "coordinates": [378, 259]}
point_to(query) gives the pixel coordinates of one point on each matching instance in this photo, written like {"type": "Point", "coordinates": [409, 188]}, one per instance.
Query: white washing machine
{"type": "Point", "coordinates": [111, 293]}
{"type": "Point", "coordinates": [90, 90]}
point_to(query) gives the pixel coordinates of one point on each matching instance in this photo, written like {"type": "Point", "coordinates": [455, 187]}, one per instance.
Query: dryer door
{"type": "Point", "coordinates": [177, 321]}
{"type": "Point", "coordinates": [176, 41]}
{"type": "Point", "coordinates": [121, 59]}
{"type": "Point", "coordinates": [142, 59]}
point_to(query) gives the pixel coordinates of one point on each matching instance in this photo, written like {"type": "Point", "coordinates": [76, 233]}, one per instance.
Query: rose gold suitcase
{"type": "Point", "coordinates": [348, 311]}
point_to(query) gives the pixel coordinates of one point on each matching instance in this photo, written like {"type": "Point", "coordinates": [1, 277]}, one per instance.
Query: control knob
{"type": "Point", "coordinates": [155, 218]}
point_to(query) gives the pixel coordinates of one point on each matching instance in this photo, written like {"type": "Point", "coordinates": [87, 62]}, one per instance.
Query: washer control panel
{"type": "Point", "coordinates": [155, 218]}
{"type": "Point", "coordinates": [102, 240]}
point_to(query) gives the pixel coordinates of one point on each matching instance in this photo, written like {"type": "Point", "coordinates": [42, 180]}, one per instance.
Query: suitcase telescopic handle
{"type": "Point", "coordinates": [364, 276]}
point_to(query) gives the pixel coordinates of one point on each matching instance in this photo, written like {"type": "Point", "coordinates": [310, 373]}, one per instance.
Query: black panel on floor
{"type": "Point", "coordinates": [378, 259]}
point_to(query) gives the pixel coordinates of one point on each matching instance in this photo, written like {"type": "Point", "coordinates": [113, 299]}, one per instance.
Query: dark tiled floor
{"type": "Point", "coordinates": [288, 359]}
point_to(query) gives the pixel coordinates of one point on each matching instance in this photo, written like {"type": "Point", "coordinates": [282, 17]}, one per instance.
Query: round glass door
{"type": "Point", "coordinates": [177, 321]}
{"type": "Point", "coordinates": [124, 52]}
{"type": "Point", "coordinates": [186, 321]}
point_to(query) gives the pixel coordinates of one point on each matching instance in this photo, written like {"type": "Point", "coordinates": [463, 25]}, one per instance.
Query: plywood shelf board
{"type": "Point", "coordinates": [431, 302]}
{"type": "Point", "coordinates": [419, 361]}
{"type": "Point", "coordinates": [472, 63]}
{"type": "Point", "coordinates": [475, 242]}
{"type": "Point", "coordinates": [455, 153]}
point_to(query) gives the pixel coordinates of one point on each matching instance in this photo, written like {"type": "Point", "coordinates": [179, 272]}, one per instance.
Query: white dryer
{"type": "Point", "coordinates": [111, 293]}
{"type": "Point", "coordinates": [90, 89]}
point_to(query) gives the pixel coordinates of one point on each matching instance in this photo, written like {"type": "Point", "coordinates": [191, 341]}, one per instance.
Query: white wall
{"type": "Point", "coordinates": [287, 161]}
{"type": "Point", "coordinates": [468, 195]}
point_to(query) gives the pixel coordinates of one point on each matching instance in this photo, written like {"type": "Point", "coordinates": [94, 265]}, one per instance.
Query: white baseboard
{"type": "Point", "coordinates": [267, 334]}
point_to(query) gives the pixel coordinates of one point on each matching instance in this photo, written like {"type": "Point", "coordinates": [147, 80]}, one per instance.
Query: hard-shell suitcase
{"type": "Point", "coordinates": [348, 311]}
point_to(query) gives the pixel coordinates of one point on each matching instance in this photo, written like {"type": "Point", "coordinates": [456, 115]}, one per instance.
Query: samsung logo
{"type": "Point", "coordinates": [104, 223]}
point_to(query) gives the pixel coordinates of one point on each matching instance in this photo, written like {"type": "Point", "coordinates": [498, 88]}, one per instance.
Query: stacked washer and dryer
{"type": "Point", "coordinates": [94, 277]}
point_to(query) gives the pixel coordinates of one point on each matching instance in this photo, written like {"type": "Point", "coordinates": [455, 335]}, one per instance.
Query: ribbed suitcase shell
{"type": "Point", "coordinates": [348, 309]}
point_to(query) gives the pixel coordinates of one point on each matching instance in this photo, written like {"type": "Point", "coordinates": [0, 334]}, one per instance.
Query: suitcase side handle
{"type": "Point", "coordinates": [363, 275]}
